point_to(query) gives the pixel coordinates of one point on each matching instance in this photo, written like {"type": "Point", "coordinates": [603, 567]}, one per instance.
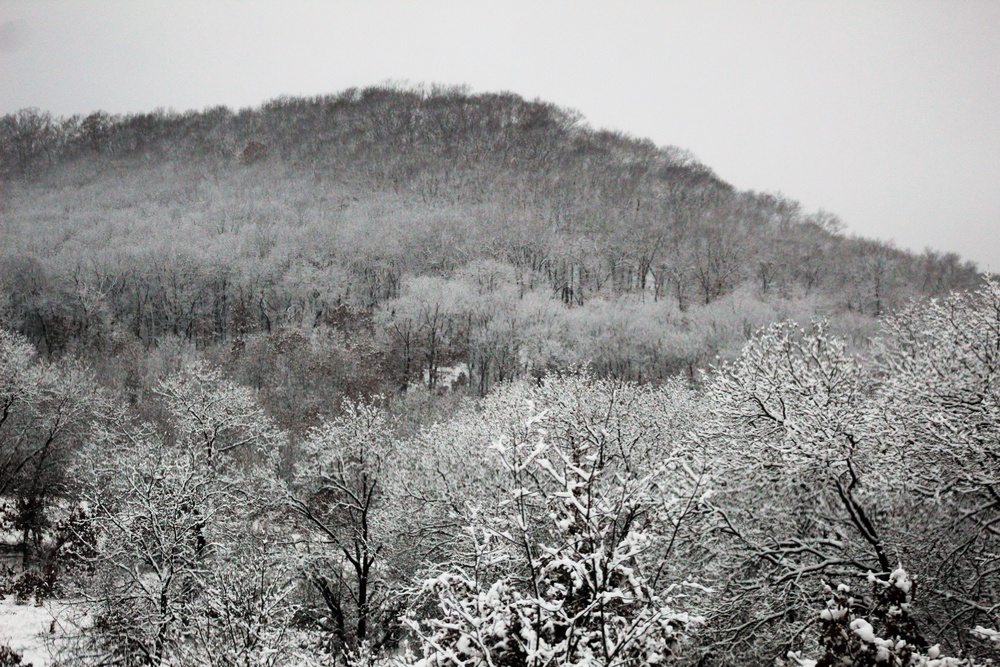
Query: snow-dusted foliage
{"type": "Point", "coordinates": [216, 414]}
{"type": "Point", "coordinates": [557, 572]}
{"type": "Point", "coordinates": [941, 366]}
{"type": "Point", "coordinates": [873, 632]}
{"type": "Point", "coordinates": [835, 464]}
{"type": "Point", "coordinates": [45, 413]}
{"type": "Point", "coordinates": [939, 363]}
{"type": "Point", "coordinates": [347, 529]}
{"type": "Point", "coordinates": [797, 399]}
{"type": "Point", "coordinates": [243, 617]}
{"type": "Point", "coordinates": [636, 428]}
{"type": "Point", "coordinates": [174, 521]}
{"type": "Point", "coordinates": [793, 435]}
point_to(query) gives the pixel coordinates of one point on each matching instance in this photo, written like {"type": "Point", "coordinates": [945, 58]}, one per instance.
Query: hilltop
{"type": "Point", "coordinates": [442, 227]}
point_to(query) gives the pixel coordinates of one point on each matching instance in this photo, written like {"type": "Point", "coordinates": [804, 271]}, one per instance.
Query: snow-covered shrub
{"type": "Point", "coordinates": [565, 622]}
{"type": "Point", "coordinates": [878, 632]}
{"type": "Point", "coordinates": [555, 574]}
{"type": "Point", "coordinates": [37, 585]}
{"type": "Point", "coordinates": [73, 541]}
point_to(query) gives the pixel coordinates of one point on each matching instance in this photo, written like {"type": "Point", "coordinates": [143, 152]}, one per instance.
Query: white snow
{"type": "Point", "coordinates": [25, 628]}
{"type": "Point", "coordinates": [863, 629]}
{"type": "Point", "coordinates": [901, 580]}
{"type": "Point", "coordinates": [800, 661]}
{"type": "Point", "coordinates": [833, 614]}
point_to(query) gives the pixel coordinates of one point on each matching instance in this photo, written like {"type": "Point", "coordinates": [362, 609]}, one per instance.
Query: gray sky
{"type": "Point", "coordinates": [885, 113]}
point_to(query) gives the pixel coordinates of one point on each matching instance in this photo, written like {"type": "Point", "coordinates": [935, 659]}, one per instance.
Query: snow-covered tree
{"type": "Point", "coordinates": [217, 415]}
{"type": "Point", "coordinates": [558, 571]}
{"type": "Point", "coordinates": [939, 363]}
{"type": "Point", "coordinates": [793, 435]}
{"type": "Point", "coordinates": [338, 501]}
{"type": "Point", "coordinates": [160, 519]}
{"type": "Point", "coordinates": [244, 617]}
{"type": "Point", "coordinates": [46, 409]}
{"type": "Point", "coordinates": [173, 518]}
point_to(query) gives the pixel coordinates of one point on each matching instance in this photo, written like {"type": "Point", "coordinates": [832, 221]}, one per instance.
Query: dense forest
{"type": "Point", "coordinates": [416, 376]}
{"type": "Point", "coordinates": [455, 229]}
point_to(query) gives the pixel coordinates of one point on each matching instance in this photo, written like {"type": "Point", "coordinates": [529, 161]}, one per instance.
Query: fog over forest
{"type": "Point", "coordinates": [416, 376]}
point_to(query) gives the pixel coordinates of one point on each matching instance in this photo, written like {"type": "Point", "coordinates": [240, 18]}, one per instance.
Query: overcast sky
{"type": "Point", "coordinates": [885, 113]}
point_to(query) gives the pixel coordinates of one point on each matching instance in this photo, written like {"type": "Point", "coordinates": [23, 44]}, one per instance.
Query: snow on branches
{"type": "Point", "coordinates": [940, 362]}
{"type": "Point", "coordinates": [796, 399]}
{"type": "Point", "coordinates": [877, 632]}
{"type": "Point", "coordinates": [557, 572]}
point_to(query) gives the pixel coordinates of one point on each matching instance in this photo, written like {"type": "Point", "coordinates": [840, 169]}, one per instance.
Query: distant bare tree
{"type": "Point", "coordinates": [26, 136]}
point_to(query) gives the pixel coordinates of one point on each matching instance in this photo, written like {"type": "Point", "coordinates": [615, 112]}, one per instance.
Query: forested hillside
{"type": "Point", "coordinates": [435, 227]}
{"type": "Point", "coordinates": [419, 377]}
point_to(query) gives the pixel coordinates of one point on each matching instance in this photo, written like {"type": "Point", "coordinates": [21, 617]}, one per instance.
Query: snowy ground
{"type": "Point", "coordinates": [29, 629]}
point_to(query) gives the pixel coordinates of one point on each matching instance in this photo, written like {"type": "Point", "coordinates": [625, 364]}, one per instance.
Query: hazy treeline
{"type": "Point", "coordinates": [450, 228]}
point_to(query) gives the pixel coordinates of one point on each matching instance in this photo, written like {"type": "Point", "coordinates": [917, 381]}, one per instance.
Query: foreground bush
{"type": "Point", "coordinates": [555, 573]}
{"type": "Point", "coordinates": [875, 632]}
